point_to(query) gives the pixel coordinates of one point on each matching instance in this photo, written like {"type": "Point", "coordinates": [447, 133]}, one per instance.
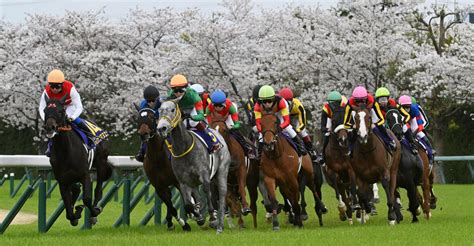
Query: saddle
{"type": "Point", "coordinates": [212, 164]}
{"type": "Point", "coordinates": [91, 136]}
{"type": "Point", "coordinates": [291, 142]}
{"type": "Point", "coordinates": [205, 138]}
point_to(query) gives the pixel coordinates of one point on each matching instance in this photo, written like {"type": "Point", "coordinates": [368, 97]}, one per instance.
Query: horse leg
{"type": "Point", "coordinates": [387, 187]}
{"type": "Point", "coordinates": [242, 181]}
{"type": "Point", "coordinates": [345, 198]}
{"type": "Point", "coordinates": [425, 184]}
{"type": "Point", "coordinates": [319, 206]}
{"type": "Point", "coordinates": [68, 204]}
{"type": "Point", "coordinates": [293, 195]}
{"type": "Point", "coordinates": [87, 195]}
{"type": "Point", "coordinates": [165, 195]}
{"type": "Point", "coordinates": [222, 191]}
{"type": "Point", "coordinates": [270, 184]}
{"type": "Point", "coordinates": [266, 200]}
{"type": "Point", "coordinates": [353, 190]}
{"type": "Point", "coordinates": [413, 201]}
{"type": "Point", "coordinates": [206, 185]}
{"type": "Point", "coordinates": [302, 186]}
{"type": "Point", "coordinates": [252, 184]}
{"type": "Point", "coordinates": [397, 206]}
{"type": "Point", "coordinates": [433, 198]}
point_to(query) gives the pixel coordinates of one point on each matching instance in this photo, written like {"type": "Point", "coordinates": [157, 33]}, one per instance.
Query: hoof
{"type": "Point", "coordinates": [418, 211]}
{"type": "Point", "coordinates": [433, 205]}
{"type": "Point", "coordinates": [201, 222]}
{"type": "Point", "coordinates": [219, 231]}
{"type": "Point", "coordinates": [98, 210]}
{"type": "Point", "coordinates": [186, 227]}
{"type": "Point", "coordinates": [350, 222]}
{"type": "Point", "coordinates": [74, 222]}
{"type": "Point", "coordinates": [391, 222]}
{"type": "Point", "coordinates": [355, 207]}
{"type": "Point", "coordinates": [276, 228]}
{"type": "Point", "coordinates": [246, 211]}
{"type": "Point", "coordinates": [171, 227]}
{"type": "Point", "coordinates": [415, 220]}
{"type": "Point", "coordinates": [342, 217]}
{"type": "Point", "coordinates": [213, 224]}
{"type": "Point", "coordinates": [377, 200]}
{"type": "Point", "coordinates": [304, 217]}
{"type": "Point", "coordinates": [93, 220]}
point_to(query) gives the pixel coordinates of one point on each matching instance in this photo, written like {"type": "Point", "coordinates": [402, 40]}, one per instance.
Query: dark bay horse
{"type": "Point", "coordinates": [238, 168]}
{"type": "Point", "coordinates": [339, 171]}
{"type": "Point", "coordinates": [157, 166]}
{"type": "Point", "coordinates": [69, 161]}
{"type": "Point", "coordinates": [280, 164]}
{"type": "Point", "coordinates": [373, 163]}
{"type": "Point", "coordinates": [410, 170]}
{"type": "Point", "coordinates": [193, 165]}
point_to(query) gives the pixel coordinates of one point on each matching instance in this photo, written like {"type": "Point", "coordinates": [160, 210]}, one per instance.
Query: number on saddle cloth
{"type": "Point", "coordinates": [91, 136]}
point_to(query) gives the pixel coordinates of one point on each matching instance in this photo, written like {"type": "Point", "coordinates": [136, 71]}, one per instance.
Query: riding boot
{"type": "Point", "coordinates": [299, 146]}
{"type": "Point", "coordinates": [216, 145]}
{"type": "Point", "coordinates": [325, 144]}
{"type": "Point", "coordinates": [259, 150]}
{"type": "Point", "coordinates": [386, 138]}
{"type": "Point", "coordinates": [411, 141]}
{"type": "Point", "coordinates": [429, 149]}
{"type": "Point", "coordinates": [140, 156]}
{"type": "Point", "coordinates": [309, 147]}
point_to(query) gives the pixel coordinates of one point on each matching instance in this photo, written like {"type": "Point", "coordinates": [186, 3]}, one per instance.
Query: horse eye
{"type": "Point", "coordinates": [172, 110]}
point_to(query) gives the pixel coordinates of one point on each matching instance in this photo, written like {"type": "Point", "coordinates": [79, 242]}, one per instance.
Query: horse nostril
{"type": "Point", "coordinates": [163, 129]}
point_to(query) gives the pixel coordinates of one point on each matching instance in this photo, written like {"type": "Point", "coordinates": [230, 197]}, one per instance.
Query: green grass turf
{"type": "Point", "coordinates": [452, 224]}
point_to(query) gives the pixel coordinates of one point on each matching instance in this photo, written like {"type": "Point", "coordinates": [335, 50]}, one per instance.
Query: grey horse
{"type": "Point", "coordinates": [191, 163]}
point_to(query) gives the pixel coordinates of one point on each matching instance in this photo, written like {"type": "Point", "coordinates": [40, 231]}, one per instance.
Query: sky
{"type": "Point", "coordinates": [15, 10]}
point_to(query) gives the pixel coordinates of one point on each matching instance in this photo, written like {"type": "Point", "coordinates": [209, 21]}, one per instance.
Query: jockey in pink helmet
{"type": "Point", "coordinates": [362, 99]}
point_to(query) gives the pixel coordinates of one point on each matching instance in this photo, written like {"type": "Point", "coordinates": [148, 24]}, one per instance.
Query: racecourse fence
{"type": "Point", "coordinates": [128, 174]}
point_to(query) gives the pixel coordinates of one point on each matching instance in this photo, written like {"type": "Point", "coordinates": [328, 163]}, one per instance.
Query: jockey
{"type": "Point", "coordinates": [192, 110]}
{"type": "Point", "coordinates": [385, 103]}
{"type": "Point", "coordinates": [298, 119]}
{"type": "Point", "coordinates": [268, 101]}
{"type": "Point", "coordinates": [416, 123]}
{"type": "Point", "coordinates": [334, 101]}
{"type": "Point", "coordinates": [361, 98]}
{"type": "Point", "coordinates": [151, 100]}
{"type": "Point", "coordinates": [203, 94]}
{"type": "Point", "coordinates": [223, 106]}
{"type": "Point", "coordinates": [56, 88]}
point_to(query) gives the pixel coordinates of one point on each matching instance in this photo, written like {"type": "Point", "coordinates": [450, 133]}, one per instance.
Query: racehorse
{"type": "Point", "coordinates": [339, 171]}
{"type": "Point", "coordinates": [372, 162]}
{"type": "Point", "coordinates": [70, 162]}
{"type": "Point", "coordinates": [239, 167]}
{"type": "Point", "coordinates": [280, 164]}
{"type": "Point", "coordinates": [157, 166]}
{"type": "Point", "coordinates": [193, 165]}
{"type": "Point", "coordinates": [410, 170]}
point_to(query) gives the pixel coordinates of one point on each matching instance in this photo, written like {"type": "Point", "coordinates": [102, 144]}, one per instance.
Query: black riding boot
{"type": "Point", "coordinates": [409, 136]}
{"type": "Point", "coordinates": [325, 144]}
{"type": "Point", "coordinates": [299, 146]}
{"type": "Point", "coordinates": [311, 151]}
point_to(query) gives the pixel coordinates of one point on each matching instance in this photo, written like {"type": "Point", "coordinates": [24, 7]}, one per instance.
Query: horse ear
{"type": "Point", "coordinates": [136, 107]}
{"type": "Point", "coordinates": [63, 99]}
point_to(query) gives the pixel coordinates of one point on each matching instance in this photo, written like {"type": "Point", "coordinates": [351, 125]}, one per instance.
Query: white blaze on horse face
{"type": "Point", "coordinates": [362, 126]}
{"type": "Point", "coordinates": [395, 117]}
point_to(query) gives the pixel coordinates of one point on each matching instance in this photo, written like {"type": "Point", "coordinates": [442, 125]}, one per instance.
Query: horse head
{"type": "Point", "coordinates": [170, 117]}
{"type": "Point", "coordinates": [219, 123]}
{"type": "Point", "coordinates": [363, 123]}
{"type": "Point", "coordinates": [395, 122]}
{"type": "Point", "coordinates": [146, 124]}
{"type": "Point", "coordinates": [338, 127]}
{"type": "Point", "coordinates": [270, 129]}
{"type": "Point", "coordinates": [54, 115]}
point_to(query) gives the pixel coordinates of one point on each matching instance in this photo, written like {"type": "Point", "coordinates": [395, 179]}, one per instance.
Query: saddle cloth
{"type": "Point", "coordinates": [212, 164]}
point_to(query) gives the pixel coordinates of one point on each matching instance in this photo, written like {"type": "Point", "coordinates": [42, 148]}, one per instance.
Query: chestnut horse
{"type": "Point", "coordinates": [157, 165]}
{"type": "Point", "coordinates": [280, 164]}
{"type": "Point", "coordinates": [339, 171]}
{"type": "Point", "coordinates": [372, 163]}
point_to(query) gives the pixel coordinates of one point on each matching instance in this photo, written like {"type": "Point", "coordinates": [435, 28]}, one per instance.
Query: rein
{"type": "Point", "coordinates": [399, 124]}
{"type": "Point", "coordinates": [170, 148]}
{"type": "Point", "coordinates": [174, 122]}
